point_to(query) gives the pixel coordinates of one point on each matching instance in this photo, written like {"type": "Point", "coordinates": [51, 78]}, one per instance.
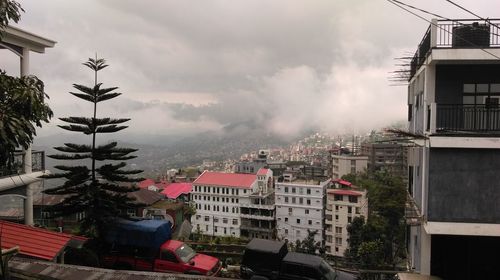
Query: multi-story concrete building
{"type": "Point", "coordinates": [390, 156]}
{"type": "Point", "coordinates": [453, 102]}
{"type": "Point", "coordinates": [251, 167]}
{"type": "Point", "coordinates": [342, 205]}
{"type": "Point", "coordinates": [258, 219]}
{"type": "Point", "coordinates": [347, 164]}
{"type": "Point", "coordinates": [300, 207]}
{"type": "Point", "coordinates": [219, 196]}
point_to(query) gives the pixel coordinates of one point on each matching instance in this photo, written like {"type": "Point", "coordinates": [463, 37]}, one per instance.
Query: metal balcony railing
{"type": "Point", "coordinates": [456, 33]}
{"type": "Point", "coordinates": [37, 163]}
{"type": "Point", "coordinates": [467, 118]}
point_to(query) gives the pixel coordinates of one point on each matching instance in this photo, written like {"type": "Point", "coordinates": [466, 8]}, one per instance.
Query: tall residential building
{"type": "Point", "coordinates": [219, 196]}
{"type": "Point", "coordinates": [300, 207]}
{"type": "Point", "coordinates": [390, 156]}
{"type": "Point", "coordinates": [347, 164]}
{"type": "Point", "coordinates": [454, 178]}
{"type": "Point", "coordinates": [251, 167]}
{"type": "Point", "coordinates": [343, 203]}
{"type": "Point", "coordinates": [258, 219]}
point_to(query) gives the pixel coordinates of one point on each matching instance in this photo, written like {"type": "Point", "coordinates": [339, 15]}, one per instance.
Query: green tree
{"type": "Point", "coordinates": [308, 245]}
{"type": "Point", "coordinates": [22, 107]}
{"type": "Point", "coordinates": [97, 191]}
{"type": "Point", "coordinates": [385, 223]}
{"type": "Point", "coordinates": [9, 10]}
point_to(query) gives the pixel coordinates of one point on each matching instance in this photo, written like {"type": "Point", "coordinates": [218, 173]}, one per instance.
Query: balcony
{"type": "Point", "coordinates": [457, 118]}
{"type": "Point", "coordinates": [258, 206]}
{"type": "Point", "coordinates": [37, 163]}
{"type": "Point", "coordinates": [257, 217]}
{"type": "Point", "coordinates": [457, 33]}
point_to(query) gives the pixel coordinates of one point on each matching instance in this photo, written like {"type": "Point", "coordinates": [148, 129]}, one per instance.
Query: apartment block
{"type": "Point", "coordinates": [300, 207]}
{"type": "Point", "coordinates": [453, 167]}
{"type": "Point", "coordinates": [347, 164]}
{"type": "Point", "coordinates": [343, 204]}
{"type": "Point", "coordinates": [219, 196]}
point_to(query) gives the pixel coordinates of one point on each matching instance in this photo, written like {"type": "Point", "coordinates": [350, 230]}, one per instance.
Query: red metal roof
{"type": "Point", "coordinates": [344, 192]}
{"type": "Point", "coordinates": [343, 182]}
{"type": "Point", "coordinates": [146, 183]}
{"type": "Point", "coordinates": [33, 242]}
{"type": "Point", "coordinates": [262, 172]}
{"type": "Point", "coordinates": [174, 190]}
{"type": "Point", "coordinates": [226, 179]}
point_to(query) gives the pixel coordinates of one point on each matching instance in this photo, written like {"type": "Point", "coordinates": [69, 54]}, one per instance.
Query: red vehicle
{"type": "Point", "coordinates": [146, 245]}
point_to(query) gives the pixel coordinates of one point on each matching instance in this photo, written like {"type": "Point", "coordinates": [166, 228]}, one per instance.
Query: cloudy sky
{"type": "Point", "coordinates": [191, 66]}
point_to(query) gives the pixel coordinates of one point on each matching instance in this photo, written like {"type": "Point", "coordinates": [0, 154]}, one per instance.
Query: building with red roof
{"type": "Point", "coordinates": [219, 198]}
{"type": "Point", "coordinates": [175, 190]}
{"type": "Point", "coordinates": [343, 204]}
{"type": "Point", "coordinates": [36, 242]}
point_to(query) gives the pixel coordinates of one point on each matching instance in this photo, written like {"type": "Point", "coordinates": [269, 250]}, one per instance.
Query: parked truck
{"type": "Point", "coordinates": [147, 245]}
{"type": "Point", "coordinates": [269, 260]}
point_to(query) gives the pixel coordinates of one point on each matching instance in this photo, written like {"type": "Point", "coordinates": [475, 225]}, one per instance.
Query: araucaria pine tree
{"type": "Point", "coordinates": [100, 192]}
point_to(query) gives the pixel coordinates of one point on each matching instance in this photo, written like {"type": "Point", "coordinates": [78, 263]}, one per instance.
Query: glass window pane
{"type": "Point", "coordinates": [468, 100]}
{"type": "Point", "coordinates": [479, 99]}
{"type": "Point", "coordinates": [482, 88]}
{"type": "Point", "coordinates": [495, 88]}
{"type": "Point", "coordinates": [469, 88]}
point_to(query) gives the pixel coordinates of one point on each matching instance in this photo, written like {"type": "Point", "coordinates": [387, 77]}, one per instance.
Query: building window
{"type": "Point", "coordinates": [225, 231]}
{"type": "Point", "coordinates": [286, 220]}
{"type": "Point", "coordinates": [308, 191]}
{"type": "Point", "coordinates": [206, 227]}
{"type": "Point", "coordinates": [286, 231]}
{"type": "Point", "coordinates": [338, 241]}
{"type": "Point", "coordinates": [215, 229]}
{"type": "Point", "coordinates": [290, 211]}
{"type": "Point", "coordinates": [349, 210]}
{"type": "Point", "coordinates": [336, 217]}
{"type": "Point", "coordinates": [293, 200]}
{"type": "Point", "coordinates": [357, 210]}
{"type": "Point", "coordinates": [308, 202]}
{"type": "Point", "coordinates": [207, 218]}
{"type": "Point", "coordinates": [306, 211]}
{"type": "Point", "coordinates": [336, 208]}
{"type": "Point", "coordinates": [224, 220]}
{"type": "Point", "coordinates": [235, 221]}
{"type": "Point", "coordinates": [301, 200]}
{"type": "Point", "coordinates": [198, 217]}
{"type": "Point", "coordinates": [286, 199]}
{"type": "Point", "coordinates": [337, 197]}
{"type": "Point", "coordinates": [336, 249]}
{"type": "Point", "coordinates": [293, 190]}
{"type": "Point", "coordinates": [338, 230]}
{"type": "Point", "coordinates": [286, 189]}
{"type": "Point", "coordinates": [353, 199]}
{"type": "Point", "coordinates": [298, 221]}
{"type": "Point", "coordinates": [216, 220]}
{"type": "Point", "coordinates": [310, 222]}
{"type": "Point", "coordinates": [349, 219]}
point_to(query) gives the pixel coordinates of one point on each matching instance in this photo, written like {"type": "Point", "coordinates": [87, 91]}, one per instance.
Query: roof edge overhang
{"type": "Point", "coordinates": [24, 39]}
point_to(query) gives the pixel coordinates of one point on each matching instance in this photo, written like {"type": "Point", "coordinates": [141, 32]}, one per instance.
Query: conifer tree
{"type": "Point", "coordinates": [97, 191]}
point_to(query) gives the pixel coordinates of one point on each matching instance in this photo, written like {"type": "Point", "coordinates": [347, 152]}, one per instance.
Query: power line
{"type": "Point", "coordinates": [470, 12]}
{"type": "Point", "coordinates": [422, 10]}
{"type": "Point", "coordinates": [443, 29]}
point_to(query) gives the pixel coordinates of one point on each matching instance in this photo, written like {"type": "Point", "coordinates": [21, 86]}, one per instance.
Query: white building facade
{"type": "Point", "coordinates": [217, 197]}
{"type": "Point", "coordinates": [300, 207]}
{"type": "Point", "coordinates": [342, 205]}
{"type": "Point", "coordinates": [347, 164]}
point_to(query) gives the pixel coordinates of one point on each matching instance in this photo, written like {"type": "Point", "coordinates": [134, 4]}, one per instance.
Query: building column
{"type": "Point", "coordinates": [425, 252]}
{"type": "Point", "coordinates": [28, 202]}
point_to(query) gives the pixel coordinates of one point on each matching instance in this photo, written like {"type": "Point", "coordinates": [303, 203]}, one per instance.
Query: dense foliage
{"type": "Point", "coordinates": [379, 242]}
{"type": "Point", "coordinates": [9, 10]}
{"type": "Point", "coordinates": [96, 190]}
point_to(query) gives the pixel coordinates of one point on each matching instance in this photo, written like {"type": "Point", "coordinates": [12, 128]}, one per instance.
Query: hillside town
{"type": "Point", "coordinates": [413, 200]}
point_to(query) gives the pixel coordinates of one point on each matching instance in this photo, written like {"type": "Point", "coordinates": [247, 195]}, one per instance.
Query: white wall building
{"type": "Point", "coordinates": [218, 197]}
{"type": "Point", "coordinates": [299, 207]}
{"type": "Point", "coordinates": [342, 205]}
{"type": "Point", "coordinates": [346, 164]}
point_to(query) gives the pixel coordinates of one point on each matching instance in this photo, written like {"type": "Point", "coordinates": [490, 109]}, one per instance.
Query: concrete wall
{"type": "Point", "coordinates": [464, 185]}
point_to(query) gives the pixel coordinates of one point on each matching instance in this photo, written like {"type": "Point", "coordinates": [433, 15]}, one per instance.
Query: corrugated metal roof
{"type": "Point", "coordinates": [226, 179]}
{"type": "Point", "coordinates": [174, 190]}
{"type": "Point", "coordinates": [33, 242]}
